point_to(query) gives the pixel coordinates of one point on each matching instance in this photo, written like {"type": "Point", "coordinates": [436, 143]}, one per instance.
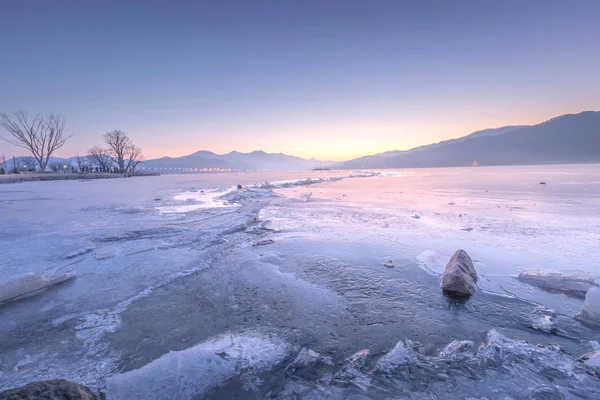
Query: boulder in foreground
{"type": "Point", "coordinates": [59, 389]}
{"type": "Point", "coordinates": [460, 276]}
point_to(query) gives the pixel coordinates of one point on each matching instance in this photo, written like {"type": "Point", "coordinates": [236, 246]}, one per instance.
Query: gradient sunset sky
{"type": "Point", "coordinates": [314, 78]}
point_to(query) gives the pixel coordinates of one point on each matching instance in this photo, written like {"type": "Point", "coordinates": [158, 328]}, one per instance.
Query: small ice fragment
{"type": "Point", "coordinates": [237, 228]}
{"type": "Point", "coordinates": [458, 349]}
{"type": "Point", "coordinates": [543, 319]}
{"type": "Point", "coordinates": [264, 242]}
{"type": "Point", "coordinates": [308, 364]}
{"type": "Point", "coordinates": [104, 254]}
{"type": "Point", "coordinates": [400, 355]}
{"type": "Point", "coordinates": [352, 366]}
{"type": "Point", "coordinates": [79, 252]}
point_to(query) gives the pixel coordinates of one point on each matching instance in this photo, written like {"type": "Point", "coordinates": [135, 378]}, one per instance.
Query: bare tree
{"type": "Point", "coordinates": [100, 158]}
{"type": "Point", "coordinates": [42, 136]}
{"type": "Point", "coordinates": [122, 150]}
{"type": "Point", "coordinates": [134, 157]}
{"type": "Point", "coordinates": [3, 169]}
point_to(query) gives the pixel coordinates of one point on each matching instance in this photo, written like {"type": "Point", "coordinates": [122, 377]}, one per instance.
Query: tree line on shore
{"type": "Point", "coordinates": [43, 135]}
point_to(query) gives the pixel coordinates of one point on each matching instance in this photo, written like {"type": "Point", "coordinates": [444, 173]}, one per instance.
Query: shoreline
{"type": "Point", "coordinates": [19, 178]}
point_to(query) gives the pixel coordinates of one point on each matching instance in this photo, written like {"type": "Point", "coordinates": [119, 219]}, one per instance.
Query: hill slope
{"type": "Point", "coordinates": [569, 138]}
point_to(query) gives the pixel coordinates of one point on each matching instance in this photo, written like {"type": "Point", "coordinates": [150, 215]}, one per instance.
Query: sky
{"type": "Point", "coordinates": [327, 79]}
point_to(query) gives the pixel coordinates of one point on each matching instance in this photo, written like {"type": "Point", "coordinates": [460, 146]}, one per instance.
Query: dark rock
{"type": "Point", "coordinates": [542, 183]}
{"type": "Point", "coordinates": [239, 187]}
{"type": "Point", "coordinates": [460, 276]}
{"type": "Point", "coordinates": [59, 389]}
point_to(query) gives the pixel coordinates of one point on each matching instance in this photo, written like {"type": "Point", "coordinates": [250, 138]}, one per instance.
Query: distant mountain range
{"type": "Point", "coordinates": [571, 138]}
{"type": "Point", "coordinates": [199, 161]}
{"type": "Point", "coordinates": [254, 161]}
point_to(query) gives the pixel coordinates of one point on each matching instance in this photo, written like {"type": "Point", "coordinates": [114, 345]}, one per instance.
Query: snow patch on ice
{"type": "Point", "coordinates": [194, 200]}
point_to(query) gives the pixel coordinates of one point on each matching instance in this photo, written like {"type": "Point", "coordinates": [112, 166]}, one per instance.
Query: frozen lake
{"type": "Point", "coordinates": [239, 284]}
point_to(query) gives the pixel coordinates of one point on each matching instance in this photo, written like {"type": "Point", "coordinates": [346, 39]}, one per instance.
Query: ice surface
{"type": "Point", "coordinates": [173, 264]}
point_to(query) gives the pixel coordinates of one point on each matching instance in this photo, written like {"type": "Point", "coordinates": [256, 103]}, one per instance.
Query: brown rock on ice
{"type": "Point", "coordinates": [59, 389]}
{"type": "Point", "coordinates": [460, 276]}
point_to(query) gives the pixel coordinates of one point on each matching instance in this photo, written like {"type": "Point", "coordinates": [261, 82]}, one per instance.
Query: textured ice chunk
{"type": "Point", "coordinates": [591, 359]}
{"type": "Point", "coordinates": [309, 364]}
{"type": "Point", "coordinates": [573, 285]}
{"type": "Point", "coordinates": [194, 372]}
{"type": "Point", "coordinates": [543, 319]}
{"type": "Point", "coordinates": [591, 307]}
{"type": "Point", "coordinates": [308, 357]}
{"type": "Point", "coordinates": [401, 355]}
{"type": "Point", "coordinates": [30, 283]}
{"type": "Point", "coordinates": [458, 349]}
{"type": "Point", "coordinates": [351, 371]}
{"type": "Point", "coordinates": [500, 350]}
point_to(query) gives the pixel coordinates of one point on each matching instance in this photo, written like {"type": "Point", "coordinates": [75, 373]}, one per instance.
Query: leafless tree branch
{"type": "Point", "coordinates": [122, 150]}
{"type": "Point", "coordinates": [100, 158]}
{"type": "Point", "coordinates": [41, 136]}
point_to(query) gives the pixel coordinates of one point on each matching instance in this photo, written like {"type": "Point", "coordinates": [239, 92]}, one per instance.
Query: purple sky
{"type": "Point", "coordinates": [329, 79]}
